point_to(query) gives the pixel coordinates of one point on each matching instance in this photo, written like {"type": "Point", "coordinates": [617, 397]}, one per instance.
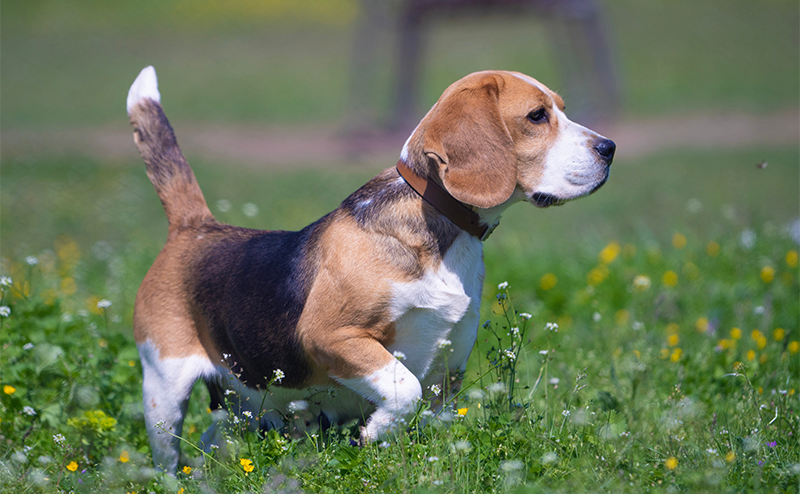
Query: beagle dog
{"type": "Point", "coordinates": [346, 318]}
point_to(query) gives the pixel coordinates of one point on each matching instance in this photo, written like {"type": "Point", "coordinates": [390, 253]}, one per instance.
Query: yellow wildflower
{"type": "Point", "coordinates": [597, 275]}
{"type": "Point", "coordinates": [131, 363]}
{"type": "Point", "coordinates": [767, 274]}
{"type": "Point", "coordinates": [638, 354]}
{"type": "Point", "coordinates": [691, 271]}
{"type": "Point", "coordinates": [794, 346]}
{"type": "Point", "coordinates": [736, 333]}
{"type": "Point", "coordinates": [609, 253]}
{"type": "Point", "coordinates": [548, 281]}
{"type": "Point", "coordinates": [725, 344]}
{"type": "Point", "coordinates": [701, 325]}
{"type": "Point", "coordinates": [751, 355]}
{"type": "Point", "coordinates": [68, 286]}
{"type": "Point", "coordinates": [671, 463]}
{"type": "Point", "coordinates": [463, 411]}
{"type": "Point", "coordinates": [778, 334]}
{"type": "Point", "coordinates": [187, 469]}
{"type": "Point", "coordinates": [247, 465]}
{"type": "Point", "coordinates": [673, 339]}
{"type": "Point", "coordinates": [791, 258]}
{"type": "Point", "coordinates": [72, 466]}
{"type": "Point", "coordinates": [670, 278]}
{"type": "Point", "coordinates": [102, 343]}
{"type": "Point", "coordinates": [730, 457]}
{"type": "Point", "coordinates": [124, 457]}
{"type": "Point", "coordinates": [9, 390]}
{"type": "Point", "coordinates": [756, 334]}
{"type": "Point", "coordinates": [761, 342]}
{"type": "Point", "coordinates": [679, 241]}
{"type": "Point", "coordinates": [712, 249]}
{"type": "Point", "coordinates": [664, 353]}
{"type": "Point", "coordinates": [676, 355]}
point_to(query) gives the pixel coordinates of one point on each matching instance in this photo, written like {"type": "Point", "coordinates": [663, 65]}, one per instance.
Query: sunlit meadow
{"type": "Point", "coordinates": [644, 367]}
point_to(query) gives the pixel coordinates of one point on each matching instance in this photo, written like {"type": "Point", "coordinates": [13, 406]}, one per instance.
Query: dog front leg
{"type": "Point", "coordinates": [363, 365]}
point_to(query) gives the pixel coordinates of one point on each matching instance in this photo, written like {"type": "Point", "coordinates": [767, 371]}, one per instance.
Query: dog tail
{"type": "Point", "coordinates": [167, 168]}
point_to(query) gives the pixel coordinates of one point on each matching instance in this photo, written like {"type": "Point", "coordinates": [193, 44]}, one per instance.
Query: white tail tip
{"type": "Point", "coordinates": [144, 87]}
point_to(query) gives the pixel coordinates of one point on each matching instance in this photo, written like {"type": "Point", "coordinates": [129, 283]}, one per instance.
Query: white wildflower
{"type": "Point", "coordinates": [641, 282]}
{"type": "Point", "coordinates": [502, 286]}
{"type": "Point", "coordinates": [542, 352]}
{"type": "Point", "coordinates": [59, 439]}
{"type": "Point", "coordinates": [427, 413]}
{"type": "Point", "coordinates": [296, 406]}
{"type": "Point", "coordinates": [5, 280]}
{"type": "Point", "coordinates": [229, 391]}
{"type": "Point", "coordinates": [250, 210]}
{"type": "Point", "coordinates": [462, 446]}
{"type": "Point", "coordinates": [748, 239]}
{"type": "Point", "coordinates": [525, 315]}
{"type": "Point", "coordinates": [235, 419]}
{"type": "Point", "coordinates": [596, 317]}
{"type": "Point", "coordinates": [694, 206]}
{"type": "Point", "coordinates": [554, 380]}
{"type": "Point", "coordinates": [431, 459]}
{"type": "Point", "coordinates": [224, 205]}
{"type": "Point", "coordinates": [637, 325]}
{"type": "Point", "coordinates": [443, 343]}
{"type": "Point", "coordinates": [399, 355]}
{"type": "Point", "coordinates": [515, 331]}
{"type": "Point", "coordinates": [511, 466]}
{"type": "Point", "coordinates": [435, 389]}
{"type": "Point", "coordinates": [551, 326]}
{"type": "Point", "coordinates": [497, 387]}
{"type": "Point", "coordinates": [384, 445]}
{"type": "Point", "coordinates": [104, 304]}
{"type": "Point", "coordinates": [248, 414]}
{"type": "Point", "coordinates": [66, 317]}
{"type": "Point", "coordinates": [511, 355]}
{"type": "Point", "coordinates": [278, 375]}
{"type": "Point", "coordinates": [32, 261]}
{"type": "Point", "coordinates": [5, 311]}
{"type": "Point", "coordinates": [28, 411]}
{"type": "Point", "coordinates": [27, 346]}
{"type": "Point", "coordinates": [759, 310]}
{"type": "Point", "coordinates": [565, 413]}
{"type": "Point", "coordinates": [549, 458]}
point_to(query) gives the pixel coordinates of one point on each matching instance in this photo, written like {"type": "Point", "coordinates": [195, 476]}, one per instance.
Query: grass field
{"type": "Point", "coordinates": [675, 366]}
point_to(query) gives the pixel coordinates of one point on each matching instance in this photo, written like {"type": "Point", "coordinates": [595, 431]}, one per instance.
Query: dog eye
{"type": "Point", "coordinates": [538, 116]}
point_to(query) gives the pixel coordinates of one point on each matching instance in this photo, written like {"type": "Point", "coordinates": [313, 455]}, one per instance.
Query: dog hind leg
{"type": "Point", "coordinates": [166, 390]}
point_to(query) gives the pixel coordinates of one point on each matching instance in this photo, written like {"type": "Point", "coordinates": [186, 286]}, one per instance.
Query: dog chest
{"type": "Point", "coordinates": [436, 306]}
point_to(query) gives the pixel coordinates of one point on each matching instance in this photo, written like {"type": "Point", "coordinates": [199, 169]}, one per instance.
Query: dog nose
{"type": "Point", "coordinates": [605, 148]}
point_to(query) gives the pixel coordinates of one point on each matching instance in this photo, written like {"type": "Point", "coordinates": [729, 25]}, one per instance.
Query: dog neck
{"type": "Point", "coordinates": [454, 210]}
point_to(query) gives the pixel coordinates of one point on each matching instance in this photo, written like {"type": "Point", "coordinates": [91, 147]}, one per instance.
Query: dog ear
{"type": "Point", "coordinates": [468, 139]}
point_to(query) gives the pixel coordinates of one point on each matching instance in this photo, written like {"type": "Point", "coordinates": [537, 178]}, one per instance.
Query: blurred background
{"type": "Point", "coordinates": [284, 108]}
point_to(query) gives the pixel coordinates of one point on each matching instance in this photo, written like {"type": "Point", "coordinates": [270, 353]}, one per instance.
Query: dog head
{"type": "Point", "coordinates": [499, 137]}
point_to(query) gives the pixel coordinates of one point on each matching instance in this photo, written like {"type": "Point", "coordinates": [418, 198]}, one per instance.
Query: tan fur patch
{"type": "Point", "coordinates": [347, 313]}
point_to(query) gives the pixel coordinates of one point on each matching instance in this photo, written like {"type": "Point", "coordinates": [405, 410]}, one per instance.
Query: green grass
{"type": "Point", "coordinates": [285, 63]}
{"type": "Point", "coordinates": [634, 400]}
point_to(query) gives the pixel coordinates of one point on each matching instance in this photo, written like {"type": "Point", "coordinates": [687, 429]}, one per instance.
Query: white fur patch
{"type": "Point", "coordinates": [394, 390]}
{"type": "Point", "coordinates": [443, 304]}
{"type": "Point", "coordinates": [144, 87]}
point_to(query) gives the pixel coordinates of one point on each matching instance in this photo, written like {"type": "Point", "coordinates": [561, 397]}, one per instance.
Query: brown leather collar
{"type": "Point", "coordinates": [454, 210]}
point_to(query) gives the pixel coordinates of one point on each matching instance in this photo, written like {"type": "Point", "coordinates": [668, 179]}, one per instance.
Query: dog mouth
{"type": "Point", "coordinates": [545, 200]}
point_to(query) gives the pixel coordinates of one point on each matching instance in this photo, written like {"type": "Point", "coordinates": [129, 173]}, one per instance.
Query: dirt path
{"type": "Point", "coordinates": [265, 146]}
